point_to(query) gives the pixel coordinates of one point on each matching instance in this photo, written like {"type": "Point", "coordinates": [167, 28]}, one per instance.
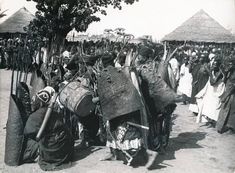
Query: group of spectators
{"type": "Point", "coordinates": [201, 72]}
{"type": "Point", "coordinates": [205, 75]}
{"type": "Point", "coordinates": [16, 53]}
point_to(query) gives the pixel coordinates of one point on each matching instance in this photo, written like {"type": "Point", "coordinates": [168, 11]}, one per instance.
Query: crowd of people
{"type": "Point", "coordinates": [206, 77]}
{"type": "Point", "coordinates": [16, 51]}
{"type": "Point", "coordinates": [117, 94]}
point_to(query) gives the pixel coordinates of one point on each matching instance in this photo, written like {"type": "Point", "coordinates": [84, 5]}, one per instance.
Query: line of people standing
{"type": "Point", "coordinates": [16, 53]}
{"type": "Point", "coordinates": [207, 78]}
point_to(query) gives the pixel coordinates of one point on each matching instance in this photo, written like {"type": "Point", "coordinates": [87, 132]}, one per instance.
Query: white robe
{"type": "Point", "coordinates": [175, 68]}
{"type": "Point", "coordinates": [185, 82]}
{"type": "Point", "coordinates": [209, 102]}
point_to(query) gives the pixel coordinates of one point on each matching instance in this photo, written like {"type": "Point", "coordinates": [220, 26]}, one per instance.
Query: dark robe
{"type": "Point", "coordinates": [200, 78]}
{"type": "Point", "coordinates": [33, 124]}
{"type": "Point", "coordinates": [227, 112]}
{"type": "Point", "coordinates": [56, 145]}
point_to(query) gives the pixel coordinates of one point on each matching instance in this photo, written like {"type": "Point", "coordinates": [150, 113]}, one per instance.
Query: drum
{"type": "Point", "coordinates": [77, 98]}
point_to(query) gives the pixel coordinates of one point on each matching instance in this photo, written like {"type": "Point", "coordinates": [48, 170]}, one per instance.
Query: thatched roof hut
{"type": "Point", "coordinates": [201, 28]}
{"type": "Point", "coordinates": [17, 22]}
{"type": "Point", "coordinates": [77, 38]}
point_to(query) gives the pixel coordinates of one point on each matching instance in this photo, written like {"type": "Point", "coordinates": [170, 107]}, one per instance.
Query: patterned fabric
{"type": "Point", "coordinates": [125, 145]}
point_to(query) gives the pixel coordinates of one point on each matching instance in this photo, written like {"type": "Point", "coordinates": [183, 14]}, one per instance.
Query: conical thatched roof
{"type": "Point", "coordinates": [17, 22]}
{"type": "Point", "coordinates": [201, 28]}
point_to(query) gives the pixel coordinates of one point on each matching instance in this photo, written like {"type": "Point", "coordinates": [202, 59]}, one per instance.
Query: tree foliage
{"type": "Point", "coordinates": [55, 18]}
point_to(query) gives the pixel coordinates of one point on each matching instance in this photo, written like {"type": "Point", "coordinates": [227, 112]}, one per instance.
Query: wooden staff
{"type": "Point", "coordinates": [23, 59]}
{"type": "Point", "coordinates": [27, 69]}
{"type": "Point", "coordinates": [138, 125]}
{"type": "Point", "coordinates": [20, 63]}
{"type": "Point", "coordinates": [18, 69]}
{"type": "Point", "coordinates": [12, 80]}
{"type": "Point", "coordinates": [12, 76]}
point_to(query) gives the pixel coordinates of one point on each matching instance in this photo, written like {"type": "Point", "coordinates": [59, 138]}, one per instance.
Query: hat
{"type": "Point", "coordinates": [45, 94]}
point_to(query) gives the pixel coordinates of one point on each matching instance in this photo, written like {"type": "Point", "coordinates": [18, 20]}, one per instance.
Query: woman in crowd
{"type": "Point", "coordinates": [226, 118]}
{"type": "Point", "coordinates": [209, 97]}
{"type": "Point", "coordinates": [185, 82]}
{"type": "Point", "coordinates": [200, 75]}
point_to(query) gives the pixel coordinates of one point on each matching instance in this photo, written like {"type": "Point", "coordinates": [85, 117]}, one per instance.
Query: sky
{"type": "Point", "coordinates": [150, 17]}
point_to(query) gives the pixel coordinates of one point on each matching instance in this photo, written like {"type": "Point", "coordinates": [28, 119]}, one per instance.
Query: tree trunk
{"type": "Point", "coordinates": [57, 44]}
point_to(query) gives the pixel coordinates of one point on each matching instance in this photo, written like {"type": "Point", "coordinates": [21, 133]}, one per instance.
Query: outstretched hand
{"type": "Point", "coordinates": [182, 98]}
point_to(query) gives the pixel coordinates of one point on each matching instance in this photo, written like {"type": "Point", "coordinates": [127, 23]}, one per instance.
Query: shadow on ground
{"type": "Point", "coordinates": [185, 140]}
{"type": "Point", "coordinates": [81, 153]}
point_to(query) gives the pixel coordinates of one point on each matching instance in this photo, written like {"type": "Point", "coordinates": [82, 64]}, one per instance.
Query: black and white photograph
{"type": "Point", "coordinates": [117, 86]}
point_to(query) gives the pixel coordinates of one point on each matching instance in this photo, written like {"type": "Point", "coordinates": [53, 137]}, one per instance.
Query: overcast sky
{"type": "Point", "coordinates": [150, 17]}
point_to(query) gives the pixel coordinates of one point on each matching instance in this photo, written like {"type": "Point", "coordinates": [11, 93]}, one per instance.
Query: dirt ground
{"type": "Point", "coordinates": [193, 148]}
